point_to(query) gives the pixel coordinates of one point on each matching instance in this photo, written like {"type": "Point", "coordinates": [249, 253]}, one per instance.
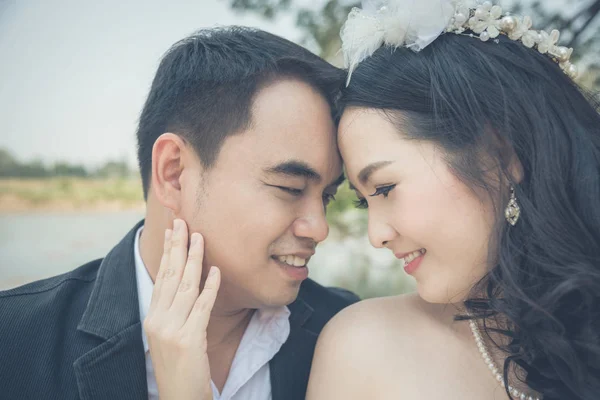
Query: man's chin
{"type": "Point", "coordinates": [284, 297]}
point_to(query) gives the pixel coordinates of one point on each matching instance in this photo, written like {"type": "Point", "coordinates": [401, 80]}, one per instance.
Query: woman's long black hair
{"type": "Point", "coordinates": [483, 101]}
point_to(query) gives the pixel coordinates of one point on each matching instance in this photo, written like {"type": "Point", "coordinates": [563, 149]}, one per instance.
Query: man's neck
{"type": "Point", "coordinates": [151, 245]}
{"type": "Point", "coordinates": [225, 333]}
{"type": "Point", "coordinates": [227, 328]}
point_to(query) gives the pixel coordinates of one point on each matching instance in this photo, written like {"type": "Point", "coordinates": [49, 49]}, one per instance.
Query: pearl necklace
{"type": "Point", "coordinates": [492, 365]}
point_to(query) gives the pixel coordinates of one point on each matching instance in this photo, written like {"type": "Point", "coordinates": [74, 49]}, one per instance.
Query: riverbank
{"type": "Point", "coordinates": [70, 195]}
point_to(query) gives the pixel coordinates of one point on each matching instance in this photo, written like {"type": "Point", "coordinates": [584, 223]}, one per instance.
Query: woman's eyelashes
{"type": "Point", "coordinates": [382, 190]}
{"type": "Point", "coordinates": [361, 203]}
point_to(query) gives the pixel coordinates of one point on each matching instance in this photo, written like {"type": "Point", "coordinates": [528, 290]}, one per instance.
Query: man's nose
{"type": "Point", "coordinates": [312, 224]}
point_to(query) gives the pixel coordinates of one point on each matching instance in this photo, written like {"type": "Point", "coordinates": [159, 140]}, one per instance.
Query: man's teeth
{"type": "Point", "coordinates": [292, 260]}
{"type": "Point", "coordinates": [407, 259]}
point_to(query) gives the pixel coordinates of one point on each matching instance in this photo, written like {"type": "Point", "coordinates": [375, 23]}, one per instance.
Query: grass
{"type": "Point", "coordinates": [66, 193]}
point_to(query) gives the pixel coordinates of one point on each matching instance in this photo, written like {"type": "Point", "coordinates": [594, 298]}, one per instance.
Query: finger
{"type": "Point", "coordinates": [200, 314]}
{"type": "Point", "coordinates": [164, 262]}
{"type": "Point", "coordinates": [189, 287]}
{"type": "Point", "coordinates": [171, 275]}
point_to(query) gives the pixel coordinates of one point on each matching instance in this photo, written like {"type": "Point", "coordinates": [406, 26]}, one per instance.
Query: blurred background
{"type": "Point", "coordinates": [73, 78]}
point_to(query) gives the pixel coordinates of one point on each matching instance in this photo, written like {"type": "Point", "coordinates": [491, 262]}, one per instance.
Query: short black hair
{"type": "Point", "coordinates": [206, 83]}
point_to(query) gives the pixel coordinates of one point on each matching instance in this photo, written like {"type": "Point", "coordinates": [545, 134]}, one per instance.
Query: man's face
{"type": "Point", "coordinates": [262, 205]}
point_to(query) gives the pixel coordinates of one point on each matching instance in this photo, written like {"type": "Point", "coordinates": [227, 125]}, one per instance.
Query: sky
{"type": "Point", "coordinates": [74, 74]}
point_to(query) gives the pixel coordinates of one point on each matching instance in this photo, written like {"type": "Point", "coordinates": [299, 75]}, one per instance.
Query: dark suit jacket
{"type": "Point", "coordinates": [79, 335]}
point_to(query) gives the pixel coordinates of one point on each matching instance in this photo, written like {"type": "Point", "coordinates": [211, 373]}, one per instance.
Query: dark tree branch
{"type": "Point", "coordinates": [592, 12]}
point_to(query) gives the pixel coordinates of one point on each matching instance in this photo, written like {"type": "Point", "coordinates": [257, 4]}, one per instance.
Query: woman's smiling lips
{"type": "Point", "coordinates": [411, 260]}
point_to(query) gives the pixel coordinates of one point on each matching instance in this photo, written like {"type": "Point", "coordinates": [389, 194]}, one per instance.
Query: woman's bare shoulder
{"type": "Point", "coordinates": [378, 317]}
{"type": "Point", "coordinates": [361, 338]}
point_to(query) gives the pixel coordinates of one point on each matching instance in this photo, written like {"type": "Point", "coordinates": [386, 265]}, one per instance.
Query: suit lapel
{"type": "Point", "coordinates": [116, 367]}
{"type": "Point", "coordinates": [290, 368]}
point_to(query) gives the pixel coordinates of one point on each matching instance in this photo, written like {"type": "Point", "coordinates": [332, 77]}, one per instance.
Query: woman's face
{"type": "Point", "coordinates": [417, 208]}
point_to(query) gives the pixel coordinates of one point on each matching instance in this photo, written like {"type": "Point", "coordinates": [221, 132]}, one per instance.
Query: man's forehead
{"type": "Point", "coordinates": [290, 114]}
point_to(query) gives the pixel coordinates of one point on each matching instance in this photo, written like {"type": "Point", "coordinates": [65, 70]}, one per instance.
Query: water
{"type": "Point", "coordinates": [39, 245]}
{"type": "Point", "coordinates": [36, 246]}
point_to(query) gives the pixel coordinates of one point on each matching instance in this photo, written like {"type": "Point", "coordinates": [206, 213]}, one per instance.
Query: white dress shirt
{"type": "Point", "coordinates": [249, 377]}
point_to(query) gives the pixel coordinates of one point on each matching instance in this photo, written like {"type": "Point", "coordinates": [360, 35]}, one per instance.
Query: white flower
{"type": "Point", "coordinates": [523, 25]}
{"type": "Point", "coordinates": [530, 38]}
{"type": "Point", "coordinates": [486, 19]}
{"type": "Point", "coordinates": [547, 41]}
{"type": "Point", "coordinates": [461, 16]}
{"type": "Point", "coordinates": [562, 54]}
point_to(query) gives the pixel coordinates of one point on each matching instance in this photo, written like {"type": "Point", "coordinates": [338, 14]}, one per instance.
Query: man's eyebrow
{"type": "Point", "coordinates": [366, 172]}
{"type": "Point", "coordinates": [295, 168]}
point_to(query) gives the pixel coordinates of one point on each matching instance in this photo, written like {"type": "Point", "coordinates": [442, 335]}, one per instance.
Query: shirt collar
{"type": "Point", "coordinates": [144, 284]}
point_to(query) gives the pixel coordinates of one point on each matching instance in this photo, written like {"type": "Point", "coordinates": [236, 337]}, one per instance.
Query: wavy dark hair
{"type": "Point", "coordinates": [483, 101]}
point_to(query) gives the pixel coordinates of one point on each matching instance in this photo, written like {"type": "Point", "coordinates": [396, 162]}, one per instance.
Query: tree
{"type": "Point", "coordinates": [64, 169]}
{"type": "Point", "coordinates": [114, 169]}
{"type": "Point", "coordinates": [10, 167]}
{"type": "Point", "coordinates": [7, 162]}
{"type": "Point", "coordinates": [321, 25]}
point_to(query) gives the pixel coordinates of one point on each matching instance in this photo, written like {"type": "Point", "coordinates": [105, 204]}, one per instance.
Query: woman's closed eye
{"type": "Point", "coordinates": [383, 190]}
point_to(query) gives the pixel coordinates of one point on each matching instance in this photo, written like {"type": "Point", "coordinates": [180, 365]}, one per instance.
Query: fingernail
{"type": "Point", "coordinates": [168, 234]}
{"type": "Point", "coordinates": [212, 271]}
{"type": "Point", "coordinates": [177, 225]}
{"type": "Point", "coordinates": [195, 238]}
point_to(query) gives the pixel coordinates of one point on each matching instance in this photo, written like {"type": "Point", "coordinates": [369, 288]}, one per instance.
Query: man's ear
{"type": "Point", "coordinates": [167, 167]}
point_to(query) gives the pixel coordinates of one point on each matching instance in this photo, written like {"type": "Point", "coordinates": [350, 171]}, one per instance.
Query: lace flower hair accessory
{"type": "Point", "coordinates": [415, 24]}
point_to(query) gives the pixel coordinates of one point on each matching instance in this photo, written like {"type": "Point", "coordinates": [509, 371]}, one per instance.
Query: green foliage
{"type": "Point", "coordinates": [65, 169]}
{"type": "Point", "coordinates": [114, 169]}
{"type": "Point", "coordinates": [7, 161]}
{"type": "Point", "coordinates": [267, 8]}
{"type": "Point", "coordinates": [344, 200]}
{"type": "Point", "coordinates": [11, 167]}
{"type": "Point", "coordinates": [342, 215]}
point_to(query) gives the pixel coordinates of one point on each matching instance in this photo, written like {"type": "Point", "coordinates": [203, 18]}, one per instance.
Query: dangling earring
{"type": "Point", "coordinates": [512, 211]}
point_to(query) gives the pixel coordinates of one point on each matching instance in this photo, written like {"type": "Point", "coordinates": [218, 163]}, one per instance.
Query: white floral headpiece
{"type": "Point", "coordinates": [415, 24]}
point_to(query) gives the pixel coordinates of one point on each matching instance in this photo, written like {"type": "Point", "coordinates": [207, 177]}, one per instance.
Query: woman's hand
{"type": "Point", "coordinates": [178, 317]}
